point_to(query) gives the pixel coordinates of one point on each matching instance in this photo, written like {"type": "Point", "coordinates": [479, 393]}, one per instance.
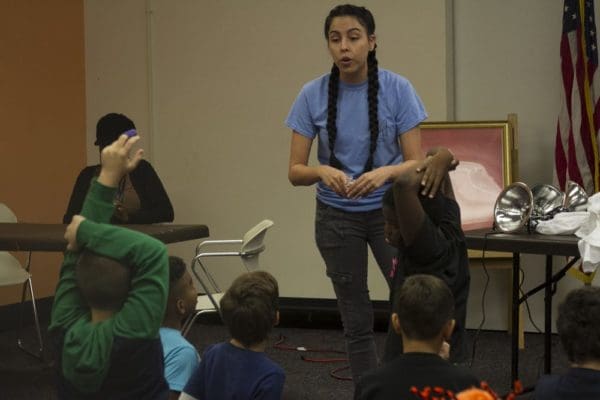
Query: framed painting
{"type": "Point", "coordinates": [487, 154]}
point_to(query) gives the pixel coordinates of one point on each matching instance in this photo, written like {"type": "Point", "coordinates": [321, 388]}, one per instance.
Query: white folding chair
{"type": "Point", "coordinates": [13, 273]}
{"type": "Point", "coordinates": [250, 246]}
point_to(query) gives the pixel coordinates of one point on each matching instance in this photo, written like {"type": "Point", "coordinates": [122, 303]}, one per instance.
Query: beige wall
{"type": "Point", "coordinates": [116, 66]}
{"type": "Point", "coordinates": [42, 109]}
{"type": "Point", "coordinates": [223, 75]}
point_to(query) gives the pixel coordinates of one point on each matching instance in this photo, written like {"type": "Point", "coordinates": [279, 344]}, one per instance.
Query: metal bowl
{"type": "Point", "coordinates": [547, 201]}
{"type": "Point", "coordinates": [513, 207]}
{"type": "Point", "coordinates": [575, 197]}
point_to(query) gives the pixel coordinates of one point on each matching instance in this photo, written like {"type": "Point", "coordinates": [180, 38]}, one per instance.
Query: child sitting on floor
{"type": "Point", "coordinates": [111, 297]}
{"type": "Point", "coordinates": [181, 357]}
{"type": "Point", "coordinates": [423, 315]}
{"type": "Point", "coordinates": [239, 369]}
{"type": "Point", "coordinates": [578, 326]}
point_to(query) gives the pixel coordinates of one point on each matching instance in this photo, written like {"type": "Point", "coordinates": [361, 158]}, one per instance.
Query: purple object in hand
{"type": "Point", "coordinates": [130, 133]}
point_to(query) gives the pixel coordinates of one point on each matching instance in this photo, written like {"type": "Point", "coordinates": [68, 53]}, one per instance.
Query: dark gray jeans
{"type": "Point", "coordinates": [342, 238]}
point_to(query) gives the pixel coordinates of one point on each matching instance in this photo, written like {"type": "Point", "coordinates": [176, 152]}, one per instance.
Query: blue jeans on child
{"type": "Point", "coordinates": [342, 238]}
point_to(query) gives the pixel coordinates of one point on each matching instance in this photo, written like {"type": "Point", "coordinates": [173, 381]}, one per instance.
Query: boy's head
{"type": "Point", "coordinates": [104, 283]}
{"type": "Point", "coordinates": [182, 293]}
{"type": "Point", "coordinates": [433, 207]}
{"type": "Point", "coordinates": [423, 309]}
{"type": "Point", "coordinates": [250, 307]}
{"type": "Point", "coordinates": [578, 324]}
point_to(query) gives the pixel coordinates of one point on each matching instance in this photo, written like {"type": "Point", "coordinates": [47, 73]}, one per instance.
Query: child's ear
{"type": "Point", "coordinates": [396, 324]}
{"type": "Point", "coordinates": [276, 321]}
{"type": "Point", "coordinates": [180, 305]}
{"type": "Point", "coordinates": [448, 329]}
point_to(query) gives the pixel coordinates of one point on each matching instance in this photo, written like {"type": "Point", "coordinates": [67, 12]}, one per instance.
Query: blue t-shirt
{"type": "Point", "coordinates": [227, 372]}
{"type": "Point", "coordinates": [181, 358]}
{"type": "Point", "coordinates": [399, 110]}
{"type": "Point", "coordinates": [576, 384]}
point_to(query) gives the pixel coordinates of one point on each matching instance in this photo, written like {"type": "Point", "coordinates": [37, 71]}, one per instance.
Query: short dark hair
{"type": "Point", "coordinates": [104, 283]}
{"type": "Point", "coordinates": [177, 268]}
{"type": "Point", "coordinates": [249, 307]}
{"type": "Point", "coordinates": [578, 324]}
{"type": "Point", "coordinates": [424, 304]}
{"type": "Point", "coordinates": [110, 127]}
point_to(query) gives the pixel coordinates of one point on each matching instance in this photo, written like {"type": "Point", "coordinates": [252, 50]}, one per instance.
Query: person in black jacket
{"type": "Point", "coordinates": [141, 198]}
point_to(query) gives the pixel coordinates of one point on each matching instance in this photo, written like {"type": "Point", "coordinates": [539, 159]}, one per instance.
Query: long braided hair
{"type": "Point", "coordinates": [365, 18]}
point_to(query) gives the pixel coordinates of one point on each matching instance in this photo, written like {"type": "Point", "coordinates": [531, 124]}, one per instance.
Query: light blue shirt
{"type": "Point", "coordinates": [399, 110]}
{"type": "Point", "coordinates": [181, 358]}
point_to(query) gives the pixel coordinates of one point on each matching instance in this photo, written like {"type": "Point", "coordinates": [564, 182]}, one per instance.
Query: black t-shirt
{"type": "Point", "coordinates": [393, 380]}
{"type": "Point", "coordinates": [438, 249]}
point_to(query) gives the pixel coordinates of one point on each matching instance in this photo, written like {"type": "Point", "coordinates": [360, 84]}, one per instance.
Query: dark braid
{"type": "Point", "coordinates": [373, 90]}
{"type": "Point", "coordinates": [365, 18]}
{"type": "Point", "coordinates": [332, 96]}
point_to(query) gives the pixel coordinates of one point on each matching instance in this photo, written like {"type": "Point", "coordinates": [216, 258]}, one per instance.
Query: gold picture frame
{"type": "Point", "coordinates": [487, 151]}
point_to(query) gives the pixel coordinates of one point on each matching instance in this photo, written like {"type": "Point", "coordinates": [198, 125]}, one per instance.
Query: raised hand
{"type": "Point", "coordinates": [117, 161]}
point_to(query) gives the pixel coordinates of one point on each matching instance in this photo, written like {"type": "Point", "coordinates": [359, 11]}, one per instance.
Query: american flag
{"type": "Point", "coordinates": [576, 151]}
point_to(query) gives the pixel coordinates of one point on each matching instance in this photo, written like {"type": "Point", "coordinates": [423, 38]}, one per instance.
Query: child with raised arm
{"type": "Point", "coordinates": [423, 315]}
{"type": "Point", "coordinates": [425, 227]}
{"type": "Point", "coordinates": [239, 369]}
{"type": "Point", "coordinates": [111, 297]}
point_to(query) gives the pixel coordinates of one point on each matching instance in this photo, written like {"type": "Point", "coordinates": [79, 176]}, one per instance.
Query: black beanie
{"type": "Point", "coordinates": [110, 127]}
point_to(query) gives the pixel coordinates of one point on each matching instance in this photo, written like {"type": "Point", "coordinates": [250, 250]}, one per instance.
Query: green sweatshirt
{"type": "Point", "coordinates": [87, 348]}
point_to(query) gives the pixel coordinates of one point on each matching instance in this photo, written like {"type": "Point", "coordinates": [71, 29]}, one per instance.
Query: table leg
{"type": "Point", "coordinates": [548, 317]}
{"type": "Point", "coordinates": [514, 368]}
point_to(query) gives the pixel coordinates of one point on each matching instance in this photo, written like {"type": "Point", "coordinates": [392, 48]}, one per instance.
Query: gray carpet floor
{"type": "Point", "coordinates": [24, 377]}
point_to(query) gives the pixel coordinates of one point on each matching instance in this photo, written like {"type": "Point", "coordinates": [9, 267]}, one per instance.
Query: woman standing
{"type": "Point", "coordinates": [366, 120]}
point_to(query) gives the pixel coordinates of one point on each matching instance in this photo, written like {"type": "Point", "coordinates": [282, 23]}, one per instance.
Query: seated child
{"type": "Point", "coordinates": [422, 315]}
{"type": "Point", "coordinates": [578, 326]}
{"type": "Point", "coordinates": [111, 297]}
{"type": "Point", "coordinates": [427, 231]}
{"type": "Point", "coordinates": [239, 369]}
{"type": "Point", "coordinates": [181, 357]}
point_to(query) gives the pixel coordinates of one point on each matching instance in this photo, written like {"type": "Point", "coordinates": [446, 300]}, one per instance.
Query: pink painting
{"type": "Point", "coordinates": [480, 176]}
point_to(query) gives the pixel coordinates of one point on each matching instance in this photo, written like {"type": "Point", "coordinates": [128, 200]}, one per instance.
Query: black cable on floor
{"type": "Point", "coordinates": [487, 281]}
{"type": "Point", "coordinates": [521, 281]}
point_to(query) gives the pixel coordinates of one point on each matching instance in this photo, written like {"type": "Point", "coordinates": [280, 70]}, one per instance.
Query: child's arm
{"type": "Point", "coordinates": [447, 189]}
{"type": "Point", "coordinates": [68, 305]}
{"type": "Point", "coordinates": [408, 209]}
{"type": "Point", "coordinates": [143, 311]}
{"type": "Point", "coordinates": [98, 206]}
